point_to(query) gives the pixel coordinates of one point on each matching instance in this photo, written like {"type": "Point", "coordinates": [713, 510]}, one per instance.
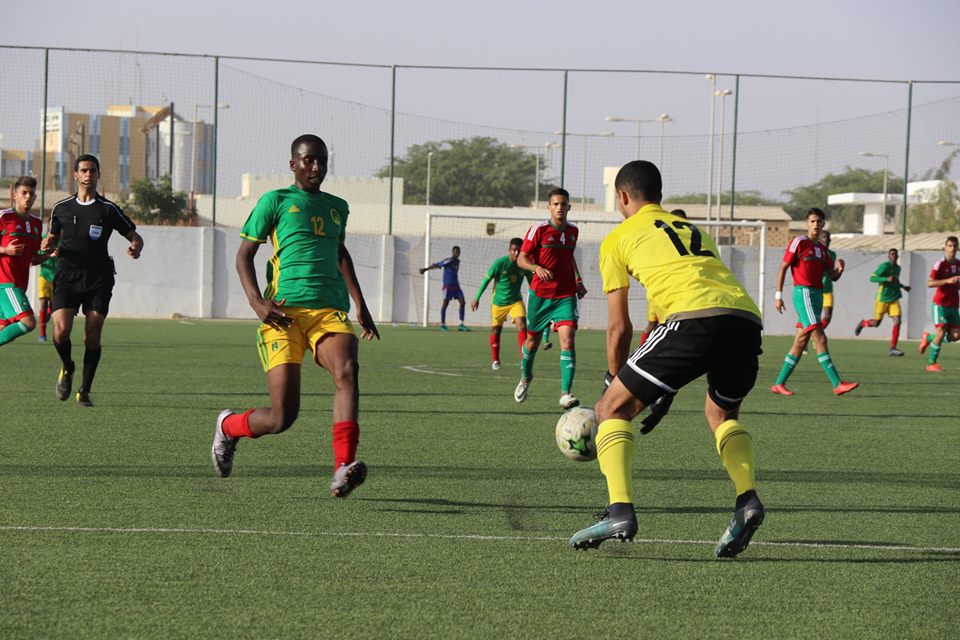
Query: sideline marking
{"type": "Point", "coordinates": [455, 536]}
{"type": "Point", "coordinates": [420, 369]}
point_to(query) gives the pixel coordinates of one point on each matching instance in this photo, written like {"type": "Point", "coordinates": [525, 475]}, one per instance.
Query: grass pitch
{"type": "Point", "coordinates": [113, 524]}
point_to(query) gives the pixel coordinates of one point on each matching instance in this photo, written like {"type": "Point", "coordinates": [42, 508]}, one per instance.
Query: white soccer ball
{"type": "Point", "coordinates": [577, 434]}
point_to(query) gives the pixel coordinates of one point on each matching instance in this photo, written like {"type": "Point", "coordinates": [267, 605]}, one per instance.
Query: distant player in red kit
{"type": "Point", "coordinates": [19, 246]}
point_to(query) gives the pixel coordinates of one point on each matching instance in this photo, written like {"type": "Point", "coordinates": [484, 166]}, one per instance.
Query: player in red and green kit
{"type": "Point", "coordinates": [808, 259]}
{"type": "Point", "coordinates": [507, 279]}
{"type": "Point", "coordinates": [310, 280]}
{"type": "Point", "coordinates": [547, 251]}
{"type": "Point", "coordinates": [887, 301]}
{"type": "Point", "coordinates": [19, 246]}
{"type": "Point", "coordinates": [945, 278]}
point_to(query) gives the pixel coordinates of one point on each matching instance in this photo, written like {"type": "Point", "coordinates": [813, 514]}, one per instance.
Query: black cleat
{"type": "Point", "coordinates": [744, 524]}
{"type": "Point", "coordinates": [64, 384]}
{"type": "Point", "coordinates": [622, 527]}
{"type": "Point", "coordinates": [83, 399]}
{"type": "Point", "coordinates": [657, 411]}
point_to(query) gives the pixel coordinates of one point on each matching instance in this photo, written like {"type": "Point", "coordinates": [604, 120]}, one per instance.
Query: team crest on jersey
{"type": "Point", "coordinates": [28, 226]}
{"type": "Point", "coordinates": [336, 216]}
{"type": "Point", "coordinates": [293, 209]}
{"type": "Point", "coordinates": [816, 252]}
{"type": "Point", "coordinates": [95, 232]}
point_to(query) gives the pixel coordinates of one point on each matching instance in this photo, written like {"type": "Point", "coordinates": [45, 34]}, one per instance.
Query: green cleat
{"type": "Point", "coordinates": [622, 527]}
{"type": "Point", "coordinates": [744, 524]}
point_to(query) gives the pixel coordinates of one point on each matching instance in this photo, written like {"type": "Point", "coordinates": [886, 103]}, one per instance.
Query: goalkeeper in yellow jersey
{"type": "Point", "coordinates": [712, 327]}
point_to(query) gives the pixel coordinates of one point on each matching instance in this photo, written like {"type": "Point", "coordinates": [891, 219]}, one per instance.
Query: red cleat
{"type": "Point", "coordinates": [935, 367]}
{"type": "Point", "coordinates": [781, 390]}
{"type": "Point", "coordinates": [845, 387]}
{"type": "Point", "coordinates": [924, 341]}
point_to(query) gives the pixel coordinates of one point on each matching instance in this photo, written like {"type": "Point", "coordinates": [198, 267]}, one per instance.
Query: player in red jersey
{"type": "Point", "coordinates": [808, 259]}
{"type": "Point", "coordinates": [945, 277]}
{"type": "Point", "coordinates": [547, 251]}
{"type": "Point", "coordinates": [20, 235]}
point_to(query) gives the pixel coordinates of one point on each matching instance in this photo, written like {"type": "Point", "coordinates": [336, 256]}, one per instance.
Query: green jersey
{"type": "Point", "coordinates": [306, 230]}
{"type": "Point", "coordinates": [887, 291]}
{"type": "Point", "coordinates": [48, 269]}
{"type": "Point", "coordinates": [827, 280]}
{"type": "Point", "coordinates": [507, 277]}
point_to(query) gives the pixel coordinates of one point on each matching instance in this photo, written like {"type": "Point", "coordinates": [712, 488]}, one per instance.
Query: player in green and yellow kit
{"type": "Point", "coordinates": [826, 315]}
{"type": "Point", "coordinates": [310, 280]}
{"type": "Point", "coordinates": [48, 273]}
{"type": "Point", "coordinates": [887, 302]}
{"type": "Point", "coordinates": [507, 278]}
{"type": "Point", "coordinates": [711, 327]}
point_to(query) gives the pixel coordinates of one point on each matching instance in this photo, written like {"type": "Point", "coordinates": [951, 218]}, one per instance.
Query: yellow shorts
{"type": "Point", "coordinates": [44, 288]}
{"type": "Point", "coordinates": [499, 314]}
{"type": "Point", "coordinates": [287, 346]}
{"type": "Point", "coordinates": [891, 309]}
{"type": "Point", "coordinates": [828, 299]}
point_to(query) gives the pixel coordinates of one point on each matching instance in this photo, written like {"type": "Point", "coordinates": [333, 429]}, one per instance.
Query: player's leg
{"type": "Point", "coordinates": [443, 312]}
{"type": "Point", "coordinates": [827, 314]}
{"type": "Point", "coordinates": [495, 332]}
{"type": "Point", "coordinates": [538, 317]}
{"type": "Point", "coordinates": [879, 309]}
{"type": "Point", "coordinates": [942, 317]}
{"type": "Point", "coordinates": [518, 314]}
{"type": "Point", "coordinates": [546, 344]}
{"type": "Point", "coordinates": [16, 316]}
{"type": "Point", "coordinates": [826, 362]}
{"type": "Point", "coordinates": [62, 328]}
{"type": "Point", "coordinates": [790, 362]}
{"type": "Point", "coordinates": [43, 318]}
{"type": "Point", "coordinates": [463, 306]}
{"type": "Point", "coordinates": [568, 363]}
{"type": "Point", "coordinates": [895, 318]}
{"type": "Point", "coordinates": [92, 332]}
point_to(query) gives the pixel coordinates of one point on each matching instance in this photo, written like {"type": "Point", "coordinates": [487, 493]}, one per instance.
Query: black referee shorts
{"type": "Point", "coordinates": [91, 289]}
{"type": "Point", "coordinates": [725, 348]}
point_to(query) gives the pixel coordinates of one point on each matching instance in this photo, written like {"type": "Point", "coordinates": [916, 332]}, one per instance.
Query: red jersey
{"type": "Point", "coordinates": [26, 230]}
{"type": "Point", "coordinates": [809, 260]}
{"type": "Point", "coordinates": [946, 295]}
{"type": "Point", "coordinates": [552, 248]}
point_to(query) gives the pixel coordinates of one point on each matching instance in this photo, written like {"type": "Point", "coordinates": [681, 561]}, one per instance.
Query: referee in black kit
{"type": "Point", "coordinates": [81, 225]}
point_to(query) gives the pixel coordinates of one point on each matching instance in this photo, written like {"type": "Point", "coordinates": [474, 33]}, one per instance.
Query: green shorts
{"type": "Point", "coordinates": [541, 311]}
{"type": "Point", "coordinates": [13, 305]}
{"type": "Point", "coordinates": [809, 305]}
{"type": "Point", "coordinates": [946, 316]}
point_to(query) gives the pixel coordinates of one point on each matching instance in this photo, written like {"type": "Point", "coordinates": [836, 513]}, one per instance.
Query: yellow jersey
{"type": "Point", "coordinates": [679, 267]}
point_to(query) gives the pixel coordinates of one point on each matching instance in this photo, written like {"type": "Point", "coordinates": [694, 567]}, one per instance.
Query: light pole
{"type": "Point", "coordinates": [193, 152]}
{"type": "Point", "coordinates": [583, 168]}
{"type": "Point", "coordinates": [713, 113]}
{"type": "Point", "coordinates": [536, 165]}
{"type": "Point", "coordinates": [429, 161]}
{"type": "Point", "coordinates": [886, 171]}
{"type": "Point", "coordinates": [638, 121]}
{"type": "Point", "coordinates": [663, 119]}
{"type": "Point", "coordinates": [723, 101]}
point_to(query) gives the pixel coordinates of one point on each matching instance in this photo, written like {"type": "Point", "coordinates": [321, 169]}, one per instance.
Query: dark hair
{"type": "Point", "coordinates": [25, 181]}
{"type": "Point", "coordinates": [954, 238]}
{"type": "Point", "coordinates": [679, 212]}
{"type": "Point", "coordinates": [516, 241]}
{"type": "Point", "coordinates": [559, 191]}
{"type": "Point", "coordinates": [307, 138]}
{"type": "Point", "coordinates": [894, 249]}
{"type": "Point", "coordinates": [86, 157]}
{"type": "Point", "coordinates": [814, 211]}
{"type": "Point", "coordinates": [641, 180]}
{"type": "Point", "coordinates": [456, 247]}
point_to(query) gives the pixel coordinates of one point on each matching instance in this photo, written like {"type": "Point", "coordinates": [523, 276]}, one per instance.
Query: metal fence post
{"type": "Point", "coordinates": [393, 140]}
{"type": "Point", "coordinates": [563, 131]}
{"type": "Point", "coordinates": [733, 160]}
{"type": "Point", "coordinates": [216, 122]}
{"type": "Point", "coordinates": [43, 134]}
{"type": "Point", "coordinates": [906, 168]}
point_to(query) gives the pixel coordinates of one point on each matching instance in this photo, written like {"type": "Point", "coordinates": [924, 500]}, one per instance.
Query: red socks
{"type": "Point", "coordinates": [895, 336]}
{"type": "Point", "coordinates": [238, 425]}
{"type": "Point", "coordinates": [521, 339]}
{"type": "Point", "coordinates": [43, 317]}
{"type": "Point", "coordinates": [865, 323]}
{"type": "Point", "coordinates": [495, 347]}
{"type": "Point", "coordinates": [346, 435]}
{"type": "Point", "coordinates": [643, 338]}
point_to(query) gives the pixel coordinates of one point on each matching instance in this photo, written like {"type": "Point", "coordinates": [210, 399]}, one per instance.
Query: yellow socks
{"type": "Point", "coordinates": [615, 455]}
{"type": "Point", "coordinates": [736, 452]}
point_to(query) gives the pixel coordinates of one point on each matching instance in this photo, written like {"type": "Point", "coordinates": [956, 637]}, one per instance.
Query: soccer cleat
{"type": "Point", "coordinates": [443, 327]}
{"type": "Point", "coordinates": [496, 365]}
{"type": "Point", "coordinates": [463, 327]}
{"type": "Point", "coordinates": [547, 346]}
{"type": "Point", "coordinates": [622, 528]}
{"type": "Point", "coordinates": [858, 329]}
{"type": "Point", "coordinates": [224, 447]}
{"type": "Point", "coordinates": [64, 384]}
{"type": "Point", "coordinates": [568, 401]}
{"type": "Point", "coordinates": [520, 393]}
{"type": "Point", "coordinates": [781, 390]}
{"type": "Point", "coordinates": [42, 338]}
{"type": "Point", "coordinates": [924, 342]}
{"type": "Point", "coordinates": [744, 524]}
{"type": "Point", "coordinates": [83, 399]}
{"type": "Point", "coordinates": [347, 478]}
{"type": "Point", "coordinates": [935, 367]}
{"type": "Point", "coordinates": [895, 352]}
{"type": "Point", "coordinates": [845, 387]}
{"type": "Point", "coordinates": [658, 410]}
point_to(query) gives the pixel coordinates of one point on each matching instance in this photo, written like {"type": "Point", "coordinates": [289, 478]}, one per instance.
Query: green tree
{"type": "Point", "coordinates": [479, 172]}
{"type": "Point", "coordinates": [155, 202]}
{"type": "Point", "coordinates": [845, 217]}
{"type": "Point", "coordinates": [943, 214]}
{"type": "Point", "coordinates": [746, 198]}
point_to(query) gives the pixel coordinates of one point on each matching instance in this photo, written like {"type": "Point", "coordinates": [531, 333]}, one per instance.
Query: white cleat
{"type": "Point", "coordinates": [224, 447]}
{"type": "Point", "coordinates": [567, 401]}
{"type": "Point", "coordinates": [520, 393]}
{"type": "Point", "coordinates": [496, 365]}
{"type": "Point", "coordinates": [347, 478]}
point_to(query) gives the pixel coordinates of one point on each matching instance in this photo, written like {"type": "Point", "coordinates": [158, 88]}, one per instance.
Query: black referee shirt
{"type": "Point", "coordinates": [84, 230]}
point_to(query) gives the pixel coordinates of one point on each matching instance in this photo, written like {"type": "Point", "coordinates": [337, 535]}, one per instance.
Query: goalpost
{"type": "Point", "coordinates": [746, 256]}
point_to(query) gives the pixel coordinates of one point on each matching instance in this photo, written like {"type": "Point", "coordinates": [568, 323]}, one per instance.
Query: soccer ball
{"type": "Point", "coordinates": [577, 434]}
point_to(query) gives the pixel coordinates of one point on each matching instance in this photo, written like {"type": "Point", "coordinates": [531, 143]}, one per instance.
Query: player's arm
{"type": "Point", "coordinates": [270, 312]}
{"type": "Point", "coordinates": [49, 242]}
{"type": "Point", "coordinates": [435, 265]}
{"type": "Point", "coordinates": [619, 329]}
{"type": "Point", "coordinates": [353, 288]}
{"type": "Point", "coordinates": [525, 262]}
{"type": "Point", "coordinates": [136, 244]}
{"type": "Point", "coordinates": [581, 290]}
{"type": "Point", "coordinates": [483, 287]}
{"type": "Point", "coordinates": [880, 275]}
{"type": "Point", "coordinates": [781, 277]}
{"type": "Point", "coordinates": [933, 282]}
{"type": "Point", "coordinates": [837, 270]}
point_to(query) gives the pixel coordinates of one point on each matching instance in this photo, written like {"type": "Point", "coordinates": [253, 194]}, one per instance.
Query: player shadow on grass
{"type": "Point", "coordinates": [756, 552]}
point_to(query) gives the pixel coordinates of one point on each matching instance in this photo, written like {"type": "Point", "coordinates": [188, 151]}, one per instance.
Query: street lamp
{"type": "Point", "coordinates": [583, 174]}
{"type": "Point", "coordinates": [536, 165]}
{"type": "Point", "coordinates": [886, 167]}
{"type": "Point", "coordinates": [429, 161]}
{"type": "Point", "coordinates": [638, 121]}
{"type": "Point", "coordinates": [713, 114]}
{"type": "Point", "coordinates": [662, 119]}
{"type": "Point", "coordinates": [722, 94]}
{"type": "Point", "coordinates": [193, 152]}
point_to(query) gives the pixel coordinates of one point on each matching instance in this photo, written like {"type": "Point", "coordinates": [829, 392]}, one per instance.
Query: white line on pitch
{"type": "Point", "coordinates": [455, 536]}
{"type": "Point", "coordinates": [433, 373]}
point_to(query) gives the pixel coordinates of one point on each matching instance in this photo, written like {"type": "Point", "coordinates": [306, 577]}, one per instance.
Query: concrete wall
{"type": "Point", "coordinates": [191, 271]}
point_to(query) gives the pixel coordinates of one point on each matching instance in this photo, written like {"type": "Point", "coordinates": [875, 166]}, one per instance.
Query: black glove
{"type": "Point", "coordinates": [657, 410]}
{"type": "Point", "coordinates": [607, 381]}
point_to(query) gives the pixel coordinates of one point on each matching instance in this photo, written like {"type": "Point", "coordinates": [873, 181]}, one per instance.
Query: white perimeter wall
{"type": "Point", "coordinates": [191, 271]}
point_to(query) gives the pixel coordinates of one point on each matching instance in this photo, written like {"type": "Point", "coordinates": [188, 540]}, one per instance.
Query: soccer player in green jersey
{"type": "Point", "coordinates": [303, 308]}
{"type": "Point", "coordinates": [48, 272]}
{"type": "Point", "coordinates": [887, 302]}
{"type": "Point", "coordinates": [827, 313]}
{"type": "Point", "coordinates": [507, 278]}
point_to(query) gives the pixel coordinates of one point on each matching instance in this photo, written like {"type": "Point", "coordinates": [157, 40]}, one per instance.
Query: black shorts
{"type": "Point", "coordinates": [726, 348]}
{"type": "Point", "coordinates": [87, 288]}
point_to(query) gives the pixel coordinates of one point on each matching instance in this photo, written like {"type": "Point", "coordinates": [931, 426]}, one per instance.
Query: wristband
{"type": "Point", "coordinates": [778, 295]}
